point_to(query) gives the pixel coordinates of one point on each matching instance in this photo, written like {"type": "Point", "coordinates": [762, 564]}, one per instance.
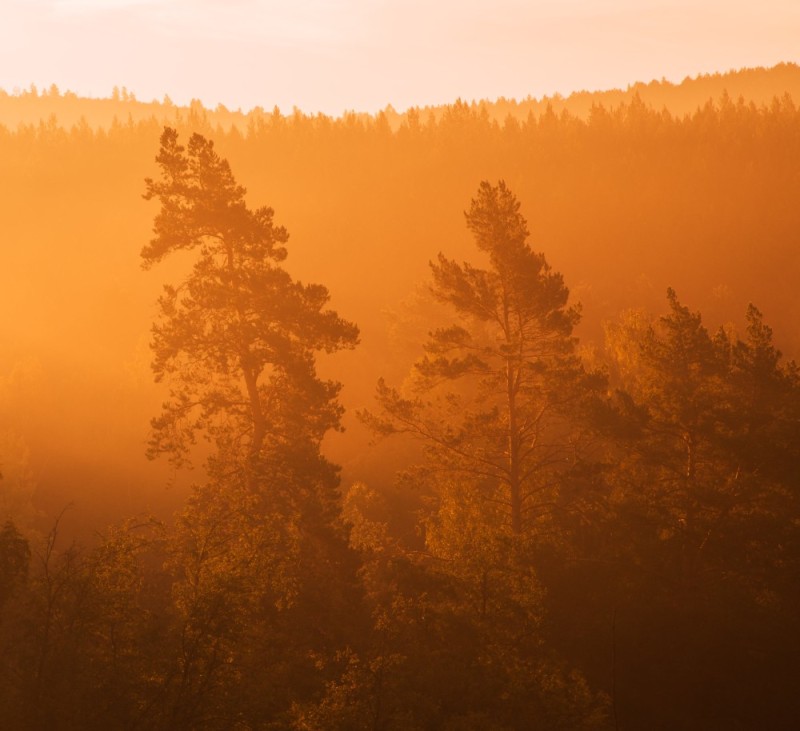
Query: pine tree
{"type": "Point", "coordinates": [236, 342]}
{"type": "Point", "coordinates": [494, 401]}
{"type": "Point", "coordinates": [494, 391]}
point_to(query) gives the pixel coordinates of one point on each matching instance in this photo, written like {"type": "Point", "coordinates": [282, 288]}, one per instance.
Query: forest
{"type": "Point", "coordinates": [482, 416]}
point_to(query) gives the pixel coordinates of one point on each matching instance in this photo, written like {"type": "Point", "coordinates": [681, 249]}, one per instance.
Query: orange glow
{"type": "Point", "coordinates": [363, 55]}
{"type": "Point", "coordinates": [381, 419]}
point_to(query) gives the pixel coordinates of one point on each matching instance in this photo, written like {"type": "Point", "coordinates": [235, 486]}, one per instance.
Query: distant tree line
{"type": "Point", "coordinates": [698, 201]}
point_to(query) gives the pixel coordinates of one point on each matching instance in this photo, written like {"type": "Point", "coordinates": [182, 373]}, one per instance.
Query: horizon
{"type": "Point", "coordinates": [364, 58]}
{"type": "Point", "coordinates": [42, 90]}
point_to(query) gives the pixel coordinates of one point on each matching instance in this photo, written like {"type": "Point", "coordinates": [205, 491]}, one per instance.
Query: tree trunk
{"type": "Point", "coordinates": [513, 453]}
{"type": "Point", "coordinates": [257, 413]}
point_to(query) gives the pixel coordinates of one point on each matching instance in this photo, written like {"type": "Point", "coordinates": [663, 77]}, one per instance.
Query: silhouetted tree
{"type": "Point", "coordinates": [237, 338]}
{"type": "Point", "coordinates": [495, 403]}
{"type": "Point", "coordinates": [703, 533]}
{"type": "Point", "coordinates": [236, 341]}
{"type": "Point", "coordinates": [504, 426]}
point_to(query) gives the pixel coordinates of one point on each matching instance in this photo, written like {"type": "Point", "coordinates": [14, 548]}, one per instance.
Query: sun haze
{"type": "Point", "coordinates": [363, 55]}
{"type": "Point", "coordinates": [399, 365]}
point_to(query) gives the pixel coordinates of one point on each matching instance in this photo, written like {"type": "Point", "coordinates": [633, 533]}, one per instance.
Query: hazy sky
{"type": "Point", "coordinates": [332, 55]}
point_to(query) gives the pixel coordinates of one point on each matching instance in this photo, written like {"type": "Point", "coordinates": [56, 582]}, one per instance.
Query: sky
{"type": "Point", "coordinates": [338, 55]}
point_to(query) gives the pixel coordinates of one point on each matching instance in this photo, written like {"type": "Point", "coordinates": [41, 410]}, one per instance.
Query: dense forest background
{"type": "Point", "coordinates": [625, 199]}
{"type": "Point", "coordinates": [690, 186]}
